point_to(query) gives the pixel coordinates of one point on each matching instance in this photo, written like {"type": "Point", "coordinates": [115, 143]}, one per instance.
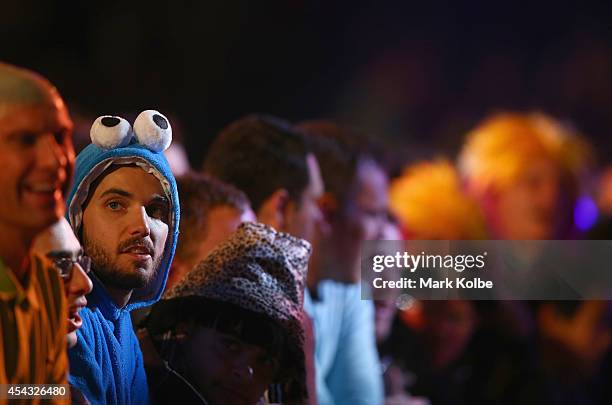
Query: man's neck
{"type": "Point", "coordinates": [14, 246]}
{"type": "Point", "coordinates": [332, 261]}
{"type": "Point", "coordinates": [119, 296]}
{"type": "Point", "coordinates": [178, 271]}
{"type": "Point", "coordinates": [314, 269]}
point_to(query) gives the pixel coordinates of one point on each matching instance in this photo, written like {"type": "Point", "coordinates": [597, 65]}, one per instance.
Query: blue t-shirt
{"type": "Point", "coordinates": [346, 358]}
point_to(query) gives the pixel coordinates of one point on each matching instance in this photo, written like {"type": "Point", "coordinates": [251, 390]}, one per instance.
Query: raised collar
{"type": "Point", "coordinates": [12, 290]}
{"type": "Point", "coordinates": [101, 299]}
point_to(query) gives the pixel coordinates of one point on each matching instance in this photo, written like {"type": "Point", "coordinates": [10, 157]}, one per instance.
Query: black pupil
{"type": "Point", "coordinates": [110, 121]}
{"type": "Point", "coordinates": [160, 121]}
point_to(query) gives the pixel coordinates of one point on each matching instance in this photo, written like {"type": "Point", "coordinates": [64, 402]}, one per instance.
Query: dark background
{"type": "Point", "coordinates": [417, 75]}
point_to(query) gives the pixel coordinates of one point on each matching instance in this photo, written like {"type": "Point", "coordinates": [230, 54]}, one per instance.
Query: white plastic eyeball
{"type": "Point", "coordinates": [153, 130]}
{"type": "Point", "coordinates": [109, 132]}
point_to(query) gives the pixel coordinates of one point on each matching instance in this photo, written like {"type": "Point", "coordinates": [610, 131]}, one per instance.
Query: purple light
{"type": "Point", "coordinates": [585, 213]}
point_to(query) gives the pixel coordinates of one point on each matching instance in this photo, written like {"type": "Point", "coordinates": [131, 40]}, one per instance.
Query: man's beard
{"type": "Point", "coordinates": [109, 272]}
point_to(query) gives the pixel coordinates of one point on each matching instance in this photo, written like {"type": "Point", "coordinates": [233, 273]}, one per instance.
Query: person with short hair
{"type": "Point", "coordinates": [356, 209]}
{"type": "Point", "coordinates": [268, 159]}
{"type": "Point", "coordinates": [211, 210]}
{"type": "Point", "coordinates": [524, 170]}
{"type": "Point", "coordinates": [271, 162]}
{"type": "Point", "coordinates": [58, 244]}
{"type": "Point", "coordinates": [37, 161]}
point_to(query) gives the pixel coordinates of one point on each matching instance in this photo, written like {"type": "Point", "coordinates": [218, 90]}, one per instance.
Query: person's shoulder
{"type": "Point", "coordinates": [332, 289]}
{"type": "Point", "coordinates": [92, 324]}
{"type": "Point", "coordinates": [333, 285]}
{"type": "Point", "coordinates": [7, 282]}
{"type": "Point", "coordinates": [87, 331]}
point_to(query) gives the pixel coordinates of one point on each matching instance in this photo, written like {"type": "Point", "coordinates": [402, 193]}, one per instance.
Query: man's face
{"type": "Point", "coordinates": [221, 222]}
{"type": "Point", "coordinates": [304, 218]}
{"type": "Point", "coordinates": [59, 243]}
{"type": "Point", "coordinates": [125, 226]}
{"type": "Point", "coordinates": [365, 216]}
{"type": "Point", "coordinates": [369, 214]}
{"type": "Point", "coordinates": [37, 157]}
{"type": "Point", "coordinates": [528, 208]}
{"type": "Point", "coordinates": [226, 370]}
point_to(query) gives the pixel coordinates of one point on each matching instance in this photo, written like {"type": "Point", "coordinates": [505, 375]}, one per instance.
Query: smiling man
{"type": "Point", "coordinates": [37, 158]}
{"type": "Point", "coordinates": [124, 208]}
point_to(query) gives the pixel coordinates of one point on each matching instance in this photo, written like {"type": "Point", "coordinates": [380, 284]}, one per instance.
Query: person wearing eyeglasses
{"type": "Point", "coordinates": [59, 245]}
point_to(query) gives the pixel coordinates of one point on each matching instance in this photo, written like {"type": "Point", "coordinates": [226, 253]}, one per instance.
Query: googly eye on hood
{"type": "Point", "coordinates": [151, 130]}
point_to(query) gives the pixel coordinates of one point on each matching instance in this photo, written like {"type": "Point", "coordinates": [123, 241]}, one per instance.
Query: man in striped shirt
{"type": "Point", "coordinates": [37, 160]}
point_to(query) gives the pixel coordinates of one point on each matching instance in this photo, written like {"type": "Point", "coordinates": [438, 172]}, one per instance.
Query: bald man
{"type": "Point", "coordinates": [37, 162]}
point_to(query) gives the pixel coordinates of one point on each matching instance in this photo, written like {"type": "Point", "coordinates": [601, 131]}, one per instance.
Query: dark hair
{"type": "Point", "coordinates": [198, 194]}
{"type": "Point", "coordinates": [248, 326]}
{"type": "Point", "coordinates": [259, 155]}
{"type": "Point", "coordinates": [339, 151]}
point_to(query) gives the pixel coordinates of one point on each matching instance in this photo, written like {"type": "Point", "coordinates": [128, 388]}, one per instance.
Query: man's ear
{"type": "Point", "coordinates": [272, 211]}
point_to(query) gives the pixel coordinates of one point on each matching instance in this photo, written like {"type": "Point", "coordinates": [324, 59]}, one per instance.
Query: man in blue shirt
{"type": "Point", "coordinates": [355, 207]}
{"type": "Point", "coordinates": [124, 208]}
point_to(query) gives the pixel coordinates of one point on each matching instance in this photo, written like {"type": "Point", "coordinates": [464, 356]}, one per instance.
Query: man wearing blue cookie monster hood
{"type": "Point", "coordinates": [124, 209]}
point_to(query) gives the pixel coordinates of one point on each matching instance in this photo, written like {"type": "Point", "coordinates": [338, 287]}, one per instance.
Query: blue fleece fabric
{"type": "Point", "coordinates": [106, 364]}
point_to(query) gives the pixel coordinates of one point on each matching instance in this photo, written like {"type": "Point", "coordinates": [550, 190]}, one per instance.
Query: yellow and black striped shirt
{"type": "Point", "coordinates": [33, 327]}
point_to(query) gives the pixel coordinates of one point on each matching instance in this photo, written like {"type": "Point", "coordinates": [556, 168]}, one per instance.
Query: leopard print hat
{"type": "Point", "coordinates": [260, 270]}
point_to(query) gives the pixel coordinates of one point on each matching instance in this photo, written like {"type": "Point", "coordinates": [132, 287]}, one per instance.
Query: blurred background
{"type": "Point", "coordinates": [417, 77]}
{"type": "Point", "coordinates": [416, 74]}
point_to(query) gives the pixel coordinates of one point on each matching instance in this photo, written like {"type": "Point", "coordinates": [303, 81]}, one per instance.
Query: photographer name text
{"type": "Point", "coordinates": [447, 283]}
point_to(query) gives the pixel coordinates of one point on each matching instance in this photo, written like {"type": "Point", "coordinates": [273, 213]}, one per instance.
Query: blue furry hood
{"type": "Point", "coordinates": [91, 163]}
